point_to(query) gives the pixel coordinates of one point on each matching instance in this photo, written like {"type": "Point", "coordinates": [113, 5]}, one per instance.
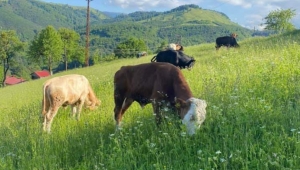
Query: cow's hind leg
{"type": "Point", "coordinates": [120, 107]}
{"type": "Point", "coordinates": [48, 118]}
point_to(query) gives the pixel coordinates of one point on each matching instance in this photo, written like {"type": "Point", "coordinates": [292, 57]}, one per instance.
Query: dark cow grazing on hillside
{"type": "Point", "coordinates": [228, 41]}
{"type": "Point", "coordinates": [177, 58]}
{"type": "Point", "coordinates": [160, 84]}
{"type": "Point", "coordinates": [74, 90]}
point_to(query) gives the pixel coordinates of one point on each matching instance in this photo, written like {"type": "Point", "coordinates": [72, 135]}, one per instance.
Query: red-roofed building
{"type": "Point", "coordinates": [11, 80]}
{"type": "Point", "coordinates": [40, 74]}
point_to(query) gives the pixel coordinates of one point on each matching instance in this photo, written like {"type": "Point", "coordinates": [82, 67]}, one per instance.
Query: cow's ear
{"type": "Point", "coordinates": [180, 103]}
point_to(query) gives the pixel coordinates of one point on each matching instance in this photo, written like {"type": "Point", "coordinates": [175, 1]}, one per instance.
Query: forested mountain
{"type": "Point", "coordinates": [187, 25]}
{"type": "Point", "coordinates": [30, 16]}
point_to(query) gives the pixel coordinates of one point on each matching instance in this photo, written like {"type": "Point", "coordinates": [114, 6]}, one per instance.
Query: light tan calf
{"type": "Point", "coordinates": [74, 90]}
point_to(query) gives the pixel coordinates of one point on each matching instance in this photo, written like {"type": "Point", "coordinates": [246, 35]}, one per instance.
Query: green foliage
{"type": "Point", "coordinates": [70, 40]}
{"type": "Point", "coordinates": [130, 48]}
{"type": "Point", "coordinates": [47, 46]}
{"type": "Point", "coordinates": [186, 25]}
{"type": "Point", "coordinates": [253, 117]}
{"type": "Point", "coordinates": [162, 46]}
{"type": "Point", "coordinates": [193, 24]}
{"type": "Point", "coordinates": [280, 20]}
{"type": "Point", "coordinates": [10, 44]}
{"type": "Point", "coordinates": [79, 55]}
{"type": "Point", "coordinates": [28, 17]}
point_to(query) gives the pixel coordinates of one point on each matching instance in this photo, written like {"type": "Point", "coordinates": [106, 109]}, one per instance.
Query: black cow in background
{"type": "Point", "coordinates": [175, 57]}
{"type": "Point", "coordinates": [228, 41]}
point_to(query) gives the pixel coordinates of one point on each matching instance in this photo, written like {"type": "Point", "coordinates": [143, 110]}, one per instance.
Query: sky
{"type": "Point", "coordinates": [247, 13]}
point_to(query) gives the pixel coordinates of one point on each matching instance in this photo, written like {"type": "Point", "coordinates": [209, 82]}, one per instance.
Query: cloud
{"type": "Point", "coordinates": [242, 3]}
{"type": "Point", "coordinates": [149, 5]}
{"type": "Point", "coordinates": [249, 13]}
{"type": "Point", "coordinates": [254, 21]}
{"type": "Point", "coordinates": [253, 17]}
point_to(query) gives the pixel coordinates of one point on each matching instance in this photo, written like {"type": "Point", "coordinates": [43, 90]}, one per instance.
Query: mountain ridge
{"type": "Point", "coordinates": [192, 24]}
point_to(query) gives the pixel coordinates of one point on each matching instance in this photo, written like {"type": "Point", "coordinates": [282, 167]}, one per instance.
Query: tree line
{"type": "Point", "coordinates": [49, 48]}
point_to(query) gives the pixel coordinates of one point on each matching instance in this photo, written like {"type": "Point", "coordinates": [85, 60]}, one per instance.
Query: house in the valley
{"type": "Point", "coordinates": [40, 74]}
{"type": "Point", "coordinates": [12, 80]}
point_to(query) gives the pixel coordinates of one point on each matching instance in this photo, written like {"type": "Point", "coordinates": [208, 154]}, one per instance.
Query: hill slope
{"type": "Point", "coordinates": [253, 117]}
{"type": "Point", "coordinates": [29, 16]}
{"type": "Point", "coordinates": [187, 24]}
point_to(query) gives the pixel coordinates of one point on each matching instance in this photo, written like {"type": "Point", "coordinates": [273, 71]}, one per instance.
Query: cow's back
{"type": "Point", "coordinates": [226, 40]}
{"type": "Point", "coordinates": [169, 56]}
{"type": "Point", "coordinates": [148, 81]}
{"type": "Point", "coordinates": [69, 87]}
{"type": "Point", "coordinates": [223, 40]}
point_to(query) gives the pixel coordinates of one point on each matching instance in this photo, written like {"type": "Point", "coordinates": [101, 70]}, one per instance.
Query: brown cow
{"type": "Point", "coordinates": [74, 90]}
{"type": "Point", "coordinates": [157, 83]}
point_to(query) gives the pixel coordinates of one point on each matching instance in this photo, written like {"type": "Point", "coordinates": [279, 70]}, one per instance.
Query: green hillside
{"type": "Point", "coordinates": [30, 16]}
{"type": "Point", "coordinates": [187, 24]}
{"type": "Point", "coordinates": [193, 16]}
{"type": "Point", "coordinates": [253, 117]}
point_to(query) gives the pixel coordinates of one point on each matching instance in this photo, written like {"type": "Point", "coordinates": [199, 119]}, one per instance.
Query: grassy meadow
{"type": "Point", "coordinates": [253, 117]}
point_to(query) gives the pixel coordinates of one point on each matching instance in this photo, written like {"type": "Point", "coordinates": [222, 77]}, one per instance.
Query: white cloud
{"type": "Point", "coordinates": [149, 5]}
{"type": "Point", "coordinates": [254, 21]}
{"type": "Point", "coordinates": [249, 13]}
{"type": "Point", "coordinates": [242, 3]}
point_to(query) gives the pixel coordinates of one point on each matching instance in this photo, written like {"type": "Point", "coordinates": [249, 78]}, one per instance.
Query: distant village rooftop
{"type": "Point", "coordinates": [40, 74]}
{"type": "Point", "coordinates": [12, 80]}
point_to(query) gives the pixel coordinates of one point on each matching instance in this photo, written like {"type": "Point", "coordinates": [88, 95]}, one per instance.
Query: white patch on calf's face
{"type": "Point", "coordinates": [195, 115]}
{"type": "Point", "coordinates": [172, 46]}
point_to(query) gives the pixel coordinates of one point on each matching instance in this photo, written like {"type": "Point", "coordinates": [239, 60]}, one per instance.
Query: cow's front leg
{"type": "Point", "coordinates": [79, 106]}
{"type": "Point", "coordinates": [73, 110]}
{"type": "Point", "coordinates": [157, 111]}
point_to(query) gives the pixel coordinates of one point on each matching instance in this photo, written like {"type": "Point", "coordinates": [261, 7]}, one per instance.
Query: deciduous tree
{"type": "Point", "coordinates": [280, 20]}
{"type": "Point", "coordinates": [130, 48]}
{"type": "Point", "coordinates": [10, 44]}
{"type": "Point", "coordinates": [70, 40]}
{"type": "Point", "coordinates": [47, 45]}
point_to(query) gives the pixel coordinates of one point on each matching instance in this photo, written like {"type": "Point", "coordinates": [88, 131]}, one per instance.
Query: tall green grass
{"type": "Point", "coordinates": [253, 119]}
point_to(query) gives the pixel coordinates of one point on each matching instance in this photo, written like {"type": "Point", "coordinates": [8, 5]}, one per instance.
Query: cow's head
{"type": "Point", "coordinates": [234, 35]}
{"type": "Point", "coordinates": [172, 46]}
{"type": "Point", "coordinates": [191, 63]}
{"type": "Point", "coordinates": [192, 113]}
{"type": "Point", "coordinates": [179, 47]}
{"type": "Point", "coordinates": [187, 64]}
{"type": "Point", "coordinates": [92, 105]}
{"type": "Point", "coordinates": [92, 102]}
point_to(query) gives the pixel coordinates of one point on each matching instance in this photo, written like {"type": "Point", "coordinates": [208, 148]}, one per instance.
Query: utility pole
{"type": "Point", "coordinates": [87, 34]}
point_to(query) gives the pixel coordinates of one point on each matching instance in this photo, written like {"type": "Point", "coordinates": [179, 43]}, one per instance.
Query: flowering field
{"type": "Point", "coordinates": [253, 117]}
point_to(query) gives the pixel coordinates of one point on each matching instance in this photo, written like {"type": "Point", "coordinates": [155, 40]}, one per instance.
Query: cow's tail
{"type": "Point", "coordinates": [153, 59]}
